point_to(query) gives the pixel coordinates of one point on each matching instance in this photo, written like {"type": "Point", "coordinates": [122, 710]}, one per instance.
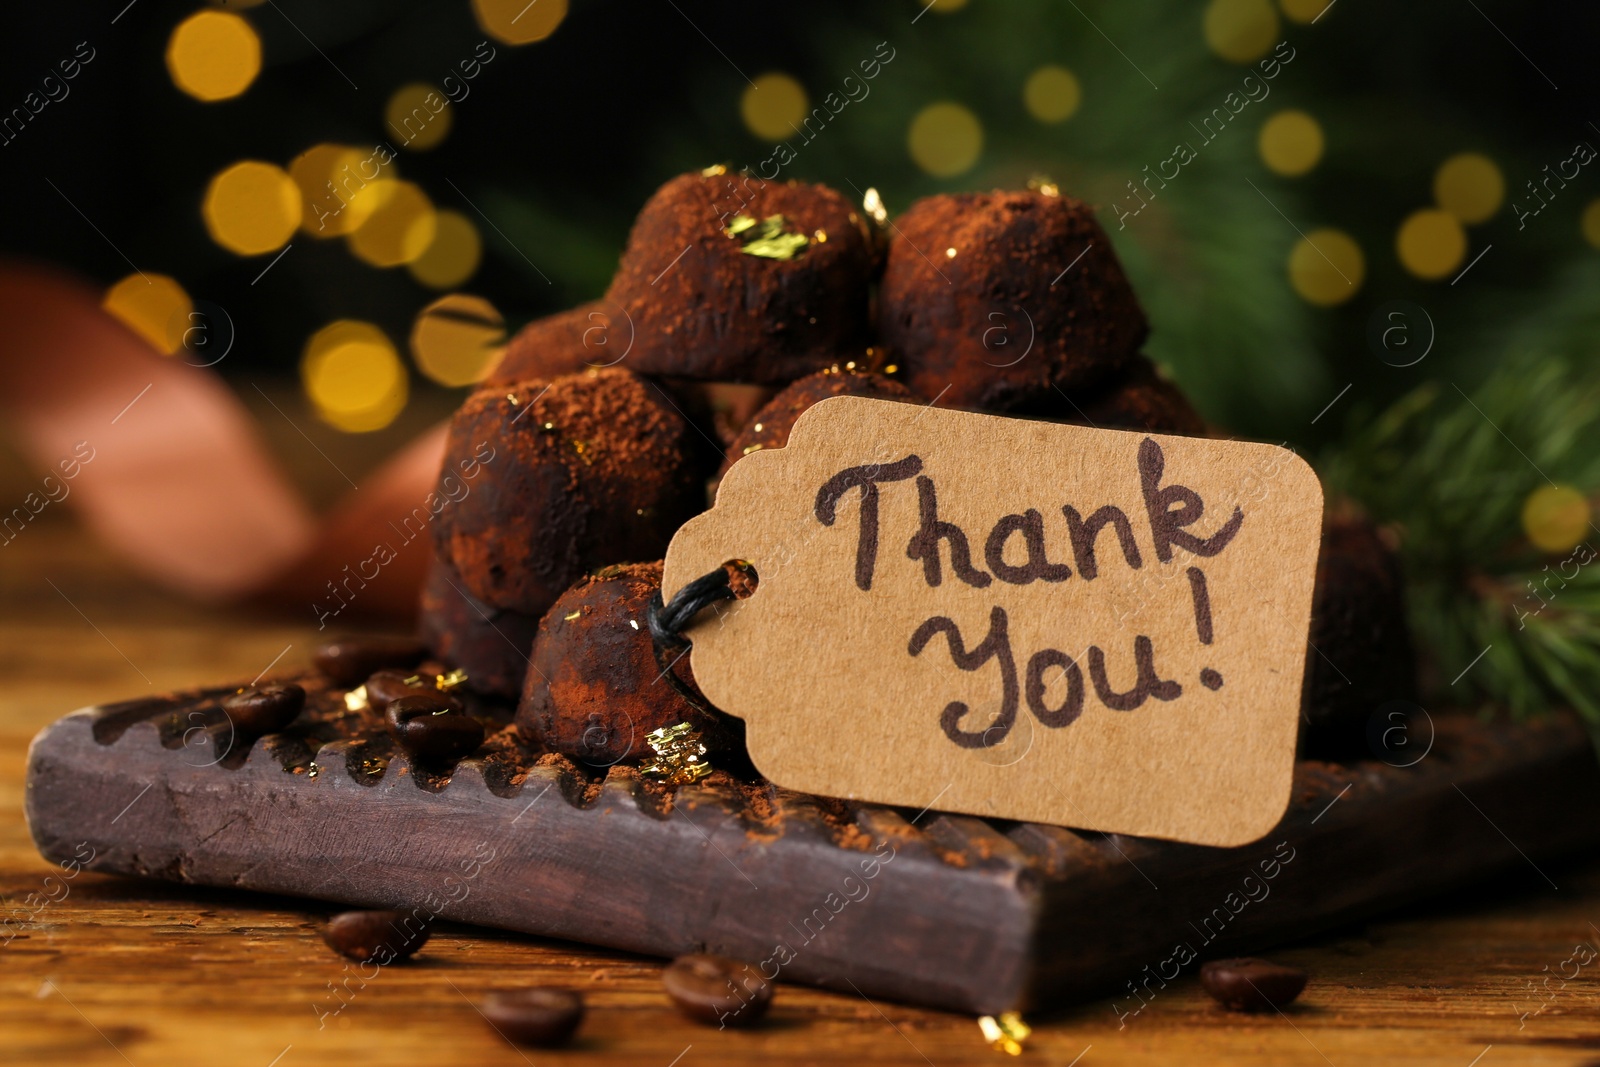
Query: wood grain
{"type": "Point", "coordinates": [124, 971]}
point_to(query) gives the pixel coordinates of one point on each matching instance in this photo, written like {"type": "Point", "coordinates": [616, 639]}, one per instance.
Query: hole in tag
{"type": "Point", "coordinates": [742, 578]}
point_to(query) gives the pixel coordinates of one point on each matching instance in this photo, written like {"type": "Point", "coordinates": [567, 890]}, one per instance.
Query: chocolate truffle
{"type": "Point", "coordinates": [589, 336]}
{"type": "Point", "coordinates": [985, 302]}
{"type": "Point", "coordinates": [596, 687]}
{"type": "Point", "coordinates": [576, 473]}
{"type": "Point", "coordinates": [1361, 656]}
{"type": "Point", "coordinates": [771, 425]}
{"type": "Point", "coordinates": [731, 278]}
{"type": "Point", "coordinates": [1139, 398]}
{"type": "Point", "coordinates": [491, 644]}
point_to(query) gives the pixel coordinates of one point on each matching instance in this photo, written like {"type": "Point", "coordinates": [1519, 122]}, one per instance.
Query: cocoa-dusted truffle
{"type": "Point", "coordinates": [596, 687]}
{"type": "Point", "coordinates": [1361, 656]}
{"type": "Point", "coordinates": [491, 644]}
{"type": "Point", "coordinates": [985, 302]}
{"type": "Point", "coordinates": [586, 469]}
{"type": "Point", "coordinates": [591, 335]}
{"type": "Point", "coordinates": [731, 278]}
{"type": "Point", "coordinates": [1139, 398]}
{"type": "Point", "coordinates": [770, 426]}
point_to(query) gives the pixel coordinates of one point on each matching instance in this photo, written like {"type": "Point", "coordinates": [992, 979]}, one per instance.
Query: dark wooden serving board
{"type": "Point", "coordinates": [926, 908]}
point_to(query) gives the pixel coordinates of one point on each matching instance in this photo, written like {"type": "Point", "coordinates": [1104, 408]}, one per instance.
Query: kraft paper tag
{"type": "Point", "coordinates": [1015, 619]}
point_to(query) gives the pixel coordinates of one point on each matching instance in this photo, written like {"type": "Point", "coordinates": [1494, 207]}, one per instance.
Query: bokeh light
{"type": "Point", "coordinates": [1326, 267]}
{"type": "Point", "coordinates": [1305, 11]}
{"type": "Point", "coordinates": [1589, 223]}
{"type": "Point", "coordinates": [251, 208]}
{"type": "Point", "coordinates": [1290, 143]}
{"type": "Point", "coordinates": [353, 376]}
{"type": "Point", "coordinates": [452, 257]}
{"type": "Point", "coordinates": [773, 106]}
{"type": "Point", "coordinates": [153, 306]}
{"type": "Point", "coordinates": [1431, 243]}
{"type": "Point", "coordinates": [213, 55]}
{"type": "Point", "coordinates": [945, 139]}
{"type": "Point", "coordinates": [1469, 186]}
{"type": "Point", "coordinates": [519, 21]}
{"type": "Point", "coordinates": [946, 7]}
{"type": "Point", "coordinates": [1240, 31]}
{"type": "Point", "coordinates": [333, 212]}
{"type": "Point", "coordinates": [1555, 517]}
{"type": "Point", "coordinates": [1052, 94]}
{"type": "Point", "coordinates": [400, 223]}
{"type": "Point", "coordinates": [418, 116]}
{"type": "Point", "coordinates": [457, 339]}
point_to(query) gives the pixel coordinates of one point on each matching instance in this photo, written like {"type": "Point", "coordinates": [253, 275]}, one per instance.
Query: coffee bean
{"type": "Point", "coordinates": [385, 687]}
{"type": "Point", "coordinates": [350, 660]}
{"type": "Point", "coordinates": [384, 936]}
{"type": "Point", "coordinates": [263, 709]}
{"type": "Point", "coordinates": [543, 1017]}
{"type": "Point", "coordinates": [717, 990]}
{"type": "Point", "coordinates": [432, 728]}
{"type": "Point", "coordinates": [1251, 984]}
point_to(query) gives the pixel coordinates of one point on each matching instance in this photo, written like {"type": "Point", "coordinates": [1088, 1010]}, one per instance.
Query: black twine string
{"type": "Point", "coordinates": [667, 619]}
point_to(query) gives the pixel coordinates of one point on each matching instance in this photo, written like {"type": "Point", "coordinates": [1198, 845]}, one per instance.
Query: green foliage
{"type": "Point", "coordinates": [1450, 473]}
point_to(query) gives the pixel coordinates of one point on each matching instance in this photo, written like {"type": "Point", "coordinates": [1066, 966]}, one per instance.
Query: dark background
{"type": "Point", "coordinates": [563, 139]}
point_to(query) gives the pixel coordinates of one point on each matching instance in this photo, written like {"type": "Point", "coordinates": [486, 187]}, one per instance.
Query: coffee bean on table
{"type": "Point", "coordinates": [432, 728]}
{"type": "Point", "coordinates": [349, 661]}
{"type": "Point", "coordinates": [263, 709]}
{"type": "Point", "coordinates": [382, 935]}
{"type": "Point", "coordinates": [717, 990]}
{"type": "Point", "coordinates": [542, 1017]}
{"type": "Point", "coordinates": [387, 686]}
{"type": "Point", "coordinates": [1251, 984]}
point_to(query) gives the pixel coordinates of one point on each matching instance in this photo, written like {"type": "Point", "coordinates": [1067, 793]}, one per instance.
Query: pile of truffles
{"type": "Point", "coordinates": [737, 305]}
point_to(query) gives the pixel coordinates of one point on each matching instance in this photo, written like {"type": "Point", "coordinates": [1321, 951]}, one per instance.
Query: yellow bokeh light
{"type": "Point", "coordinates": [945, 7]}
{"type": "Point", "coordinates": [773, 106]}
{"type": "Point", "coordinates": [328, 177]}
{"type": "Point", "coordinates": [457, 339]}
{"type": "Point", "coordinates": [1290, 143]}
{"type": "Point", "coordinates": [418, 116]}
{"type": "Point", "coordinates": [213, 55]}
{"type": "Point", "coordinates": [1240, 31]}
{"type": "Point", "coordinates": [1555, 517]}
{"type": "Point", "coordinates": [251, 208]}
{"type": "Point", "coordinates": [1589, 223]}
{"type": "Point", "coordinates": [519, 21]}
{"type": "Point", "coordinates": [153, 306]}
{"type": "Point", "coordinates": [945, 139]}
{"type": "Point", "coordinates": [1469, 186]}
{"type": "Point", "coordinates": [1431, 243]}
{"type": "Point", "coordinates": [353, 376]}
{"type": "Point", "coordinates": [453, 255]}
{"type": "Point", "coordinates": [1305, 11]}
{"type": "Point", "coordinates": [399, 227]}
{"type": "Point", "coordinates": [1052, 94]}
{"type": "Point", "coordinates": [1326, 267]}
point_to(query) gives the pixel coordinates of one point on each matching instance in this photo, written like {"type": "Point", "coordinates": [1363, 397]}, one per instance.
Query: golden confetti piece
{"type": "Point", "coordinates": [716, 170]}
{"type": "Point", "coordinates": [356, 699]}
{"type": "Point", "coordinates": [574, 615]}
{"type": "Point", "coordinates": [766, 238]}
{"type": "Point", "coordinates": [872, 204]}
{"type": "Point", "coordinates": [679, 755]}
{"type": "Point", "coordinates": [451, 680]}
{"type": "Point", "coordinates": [1005, 1034]}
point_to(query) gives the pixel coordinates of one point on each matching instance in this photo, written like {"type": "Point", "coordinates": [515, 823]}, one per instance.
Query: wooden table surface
{"type": "Point", "coordinates": [157, 975]}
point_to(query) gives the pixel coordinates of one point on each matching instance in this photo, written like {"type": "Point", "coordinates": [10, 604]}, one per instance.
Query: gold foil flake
{"type": "Point", "coordinates": [312, 770]}
{"type": "Point", "coordinates": [679, 755]}
{"type": "Point", "coordinates": [767, 238]}
{"type": "Point", "coordinates": [574, 615]}
{"type": "Point", "coordinates": [356, 699]}
{"type": "Point", "coordinates": [872, 204]}
{"type": "Point", "coordinates": [415, 681]}
{"type": "Point", "coordinates": [716, 170]}
{"type": "Point", "coordinates": [1005, 1034]}
{"type": "Point", "coordinates": [633, 623]}
{"type": "Point", "coordinates": [749, 449]}
{"type": "Point", "coordinates": [451, 680]}
{"type": "Point", "coordinates": [1042, 184]}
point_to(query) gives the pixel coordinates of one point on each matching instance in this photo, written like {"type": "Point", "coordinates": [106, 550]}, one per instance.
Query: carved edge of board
{"type": "Point", "coordinates": [959, 913]}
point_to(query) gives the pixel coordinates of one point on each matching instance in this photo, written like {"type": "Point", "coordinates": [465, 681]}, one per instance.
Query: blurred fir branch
{"type": "Point", "coordinates": [1452, 474]}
